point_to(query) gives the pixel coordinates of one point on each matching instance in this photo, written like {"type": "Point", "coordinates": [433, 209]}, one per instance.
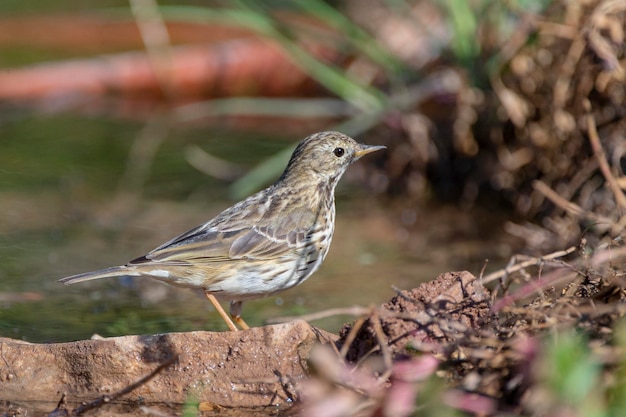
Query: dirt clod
{"type": "Point", "coordinates": [435, 311]}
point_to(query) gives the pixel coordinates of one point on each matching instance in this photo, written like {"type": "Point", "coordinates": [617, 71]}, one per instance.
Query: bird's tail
{"type": "Point", "coordinates": [115, 271]}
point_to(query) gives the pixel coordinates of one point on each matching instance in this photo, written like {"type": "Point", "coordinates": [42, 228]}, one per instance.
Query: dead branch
{"type": "Point", "coordinates": [601, 158]}
{"type": "Point", "coordinates": [528, 263]}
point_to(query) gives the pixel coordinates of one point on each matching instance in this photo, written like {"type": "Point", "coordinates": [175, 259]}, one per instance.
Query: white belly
{"type": "Point", "coordinates": [262, 281]}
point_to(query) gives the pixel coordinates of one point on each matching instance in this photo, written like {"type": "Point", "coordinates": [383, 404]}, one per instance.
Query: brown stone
{"type": "Point", "coordinates": [247, 369]}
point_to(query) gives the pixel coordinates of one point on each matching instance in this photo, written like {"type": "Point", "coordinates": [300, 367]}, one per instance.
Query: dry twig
{"type": "Point", "coordinates": [533, 261]}
{"type": "Point", "coordinates": [601, 158]}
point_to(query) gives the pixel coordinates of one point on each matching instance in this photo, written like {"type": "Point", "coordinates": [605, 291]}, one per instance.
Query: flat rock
{"type": "Point", "coordinates": [255, 368]}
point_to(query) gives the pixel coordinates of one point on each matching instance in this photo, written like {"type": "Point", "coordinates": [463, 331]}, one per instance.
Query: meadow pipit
{"type": "Point", "coordinates": [267, 243]}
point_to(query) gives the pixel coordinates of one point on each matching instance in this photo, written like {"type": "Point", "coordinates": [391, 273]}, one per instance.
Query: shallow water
{"type": "Point", "coordinates": [73, 200]}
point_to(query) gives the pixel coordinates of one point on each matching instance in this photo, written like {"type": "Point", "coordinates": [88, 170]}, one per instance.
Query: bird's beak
{"type": "Point", "coordinates": [365, 149]}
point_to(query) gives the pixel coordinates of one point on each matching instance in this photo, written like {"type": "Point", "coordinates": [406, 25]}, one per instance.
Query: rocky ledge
{"type": "Point", "coordinates": [247, 369]}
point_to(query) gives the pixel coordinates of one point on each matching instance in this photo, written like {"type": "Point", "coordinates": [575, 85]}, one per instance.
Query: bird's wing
{"type": "Point", "coordinates": [253, 235]}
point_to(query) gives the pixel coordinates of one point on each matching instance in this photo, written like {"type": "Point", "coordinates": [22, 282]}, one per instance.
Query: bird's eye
{"type": "Point", "coordinates": [338, 152]}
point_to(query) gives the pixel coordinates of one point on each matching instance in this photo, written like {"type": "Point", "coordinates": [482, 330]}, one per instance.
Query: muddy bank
{"type": "Point", "coordinates": [481, 340]}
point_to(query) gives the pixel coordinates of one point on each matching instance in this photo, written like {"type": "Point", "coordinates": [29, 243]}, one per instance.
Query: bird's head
{"type": "Point", "coordinates": [325, 156]}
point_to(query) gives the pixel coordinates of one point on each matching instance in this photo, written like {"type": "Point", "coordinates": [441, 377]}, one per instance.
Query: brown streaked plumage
{"type": "Point", "coordinates": [267, 243]}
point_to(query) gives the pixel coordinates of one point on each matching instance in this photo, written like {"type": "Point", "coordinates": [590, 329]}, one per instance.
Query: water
{"type": "Point", "coordinates": [72, 200]}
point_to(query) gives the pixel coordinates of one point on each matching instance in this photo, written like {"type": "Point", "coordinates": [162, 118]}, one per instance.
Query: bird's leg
{"type": "Point", "coordinates": [220, 311]}
{"type": "Point", "coordinates": [235, 313]}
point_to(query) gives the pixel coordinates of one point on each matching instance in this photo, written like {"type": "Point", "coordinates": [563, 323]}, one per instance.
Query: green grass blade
{"type": "Point", "coordinates": [360, 96]}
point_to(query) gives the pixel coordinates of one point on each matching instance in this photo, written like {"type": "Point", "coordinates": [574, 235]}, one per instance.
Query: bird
{"type": "Point", "coordinates": [266, 243]}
